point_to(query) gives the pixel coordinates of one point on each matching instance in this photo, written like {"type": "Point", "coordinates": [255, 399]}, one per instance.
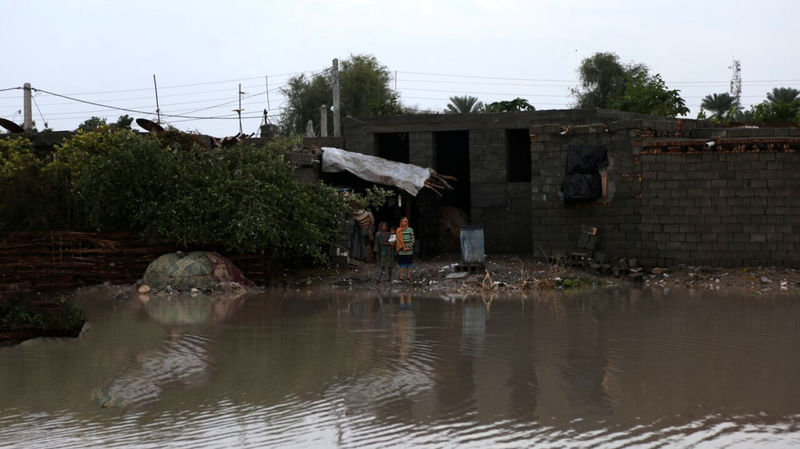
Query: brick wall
{"type": "Point", "coordinates": [672, 198]}
{"type": "Point", "coordinates": [555, 227]}
{"type": "Point", "coordinates": [721, 208]}
{"type": "Point", "coordinates": [502, 208]}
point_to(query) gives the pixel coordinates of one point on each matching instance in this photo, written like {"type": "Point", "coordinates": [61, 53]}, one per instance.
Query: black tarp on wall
{"type": "Point", "coordinates": [582, 182]}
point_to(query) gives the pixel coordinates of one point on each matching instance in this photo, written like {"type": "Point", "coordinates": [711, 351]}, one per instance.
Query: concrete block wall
{"type": "Point", "coordinates": [729, 209]}
{"type": "Point", "coordinates": [556, 227]}
{"type": "Point", "coordinates": [420, 149]}
{"type": "Point", "coordinates": [357, 140]}
{"type": "Point", "coordinates": [503, 208]}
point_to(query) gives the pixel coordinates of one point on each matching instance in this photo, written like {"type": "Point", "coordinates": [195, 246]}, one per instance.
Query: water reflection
{"type": "Point", "coordinates": [186, 308]}
{"type": "Point", "coordinates": [182, 361]}
{"type": "Point", "coordinates": [614, 368]}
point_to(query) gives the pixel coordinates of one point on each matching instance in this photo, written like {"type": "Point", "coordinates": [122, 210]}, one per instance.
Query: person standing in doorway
{"type": "Point", "coordinates": [405, 249]}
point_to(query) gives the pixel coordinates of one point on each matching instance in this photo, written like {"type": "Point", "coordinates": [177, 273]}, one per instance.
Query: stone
{"type": "Point", "coordinates": [143, 289]}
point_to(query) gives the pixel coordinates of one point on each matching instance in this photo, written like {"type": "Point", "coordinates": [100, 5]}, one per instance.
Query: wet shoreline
{"type": "Point", "coordinates": [504, 276]}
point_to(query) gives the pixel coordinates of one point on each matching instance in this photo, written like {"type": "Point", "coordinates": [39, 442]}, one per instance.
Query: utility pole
{"type": "Point", "coordinates": [323, 120]}
{"type": "Point", "coordinates": [239, 109]}
{"type": "Point", "coordinates": [337, 118]}
{"type": "Point", "coordinates": [27, 122]}
{"type": "Point", "coordinates": [158, 109]}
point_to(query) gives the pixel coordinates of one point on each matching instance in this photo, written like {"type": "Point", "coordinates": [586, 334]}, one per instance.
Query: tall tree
{"type": "Point", "coordinates": [365, 87]}
{"type": "Point", "coordinates": [783, 95]}
{"type": "Point", "coordinates": [607, 83]}
{"type": "Point", "coordinates": [602, 79]}
{"type": "Point", "coordinates": [720, 105]}
{"type": "Point", "coordinates": [365, 90]}
{"type": "Point", "coordinates": [464, 105]}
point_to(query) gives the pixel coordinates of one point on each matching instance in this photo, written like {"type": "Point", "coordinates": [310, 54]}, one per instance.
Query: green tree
{"type": "Point", "coordinates": [778, 112]}
{"type": "Point", "coordinates": [720, 105]}
{"type": "Point", "coordinates": [648, 94]}
{"type": "Point", "coordinates": [365, 87]}
{"type": "Point", "coordinates": [783, 95]}
{"type": "Point", "coordinates": [464, 105]}
{"type": "Point", "coordinates": [517, 104]}
{"type": "Point", "coordinates": [607, 83]}
{"type": "Point", "coordinates": [602, 79]}
{"type": "Point", "coordinates": [364, 90]}
{"type": "Point", "coordinates": [123, 122]}
{"type": "Point", "coordinates": [304, 96]}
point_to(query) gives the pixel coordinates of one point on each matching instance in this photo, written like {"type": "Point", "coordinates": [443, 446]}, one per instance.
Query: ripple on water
{"type": "Point", "coordinates": [591, 371]}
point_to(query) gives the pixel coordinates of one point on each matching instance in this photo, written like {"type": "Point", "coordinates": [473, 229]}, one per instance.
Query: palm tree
{"type": "Point", "coordinates": [783, 95]}
{"type": "Point", "coordinates": [718, 104]}
{"type": "Point", "coordinates": [464, 105]}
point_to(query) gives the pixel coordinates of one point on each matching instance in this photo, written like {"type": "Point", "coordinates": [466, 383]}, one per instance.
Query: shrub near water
{"type": "Point", "coordinates": [30, 198]}
{"type": "Point", "coordinates": [243, 198]}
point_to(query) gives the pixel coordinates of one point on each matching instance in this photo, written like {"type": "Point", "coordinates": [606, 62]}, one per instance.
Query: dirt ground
{"type": "Point", "coordinates": [524, 274]}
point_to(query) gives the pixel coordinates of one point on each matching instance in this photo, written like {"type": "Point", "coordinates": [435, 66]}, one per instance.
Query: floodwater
{"type": "Point", "coordinates": [614, 368]}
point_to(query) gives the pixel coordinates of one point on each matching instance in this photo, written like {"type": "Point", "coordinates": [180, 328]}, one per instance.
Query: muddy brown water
{"type": "Point", "coordinates": [620, 368]}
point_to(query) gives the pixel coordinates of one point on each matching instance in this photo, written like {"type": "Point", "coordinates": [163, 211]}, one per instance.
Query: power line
{"type": "Point", "coordinates": [33, 97]}
{"type": "Point", "coordinates": [134, 111]}
{"type": "Point", "coordinates": [485, 77]}
{"type": "Point", "coordinates": [485, 93]}
{"type": "Point", "coordinates": [163, 96]}
{"type": "Point", "coordinates": [96, 111]}
{"type": "Point", "coordinates": [481, 83]}
{"type": "Point", "coordinates": [223, 104]}
{"type": "Point", "coordinates": [207, 83]}
{"type": "Point", "coordinates": [453, 75]}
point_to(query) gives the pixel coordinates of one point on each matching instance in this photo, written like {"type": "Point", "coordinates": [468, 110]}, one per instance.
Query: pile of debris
{"type": "Point", "coordinates": [619, 267]}
{"type": "Point", "coordinates": [194, 273]}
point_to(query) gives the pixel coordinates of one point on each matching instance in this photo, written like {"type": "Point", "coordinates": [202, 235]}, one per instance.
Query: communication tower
{"type": "Point", "coordinates": [736, 80]}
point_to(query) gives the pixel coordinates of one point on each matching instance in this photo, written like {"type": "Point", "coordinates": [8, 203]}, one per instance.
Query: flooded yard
{"type": "Point", "coordinates": [610, 368]}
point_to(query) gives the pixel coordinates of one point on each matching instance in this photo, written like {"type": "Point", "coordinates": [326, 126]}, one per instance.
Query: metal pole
{"type": "Point", "coordinates": [337, 118]}
{"type": "Point", "coordinates": [239, 111]}
{"type": "Point", "coordinates": [323, 120]}
{"type": "Point", "coordinates": [158, 109]}
{"type": "Point", "coordinates": [27, 122]}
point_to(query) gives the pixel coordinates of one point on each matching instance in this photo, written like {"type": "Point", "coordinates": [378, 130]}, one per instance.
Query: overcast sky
{"type": "Point", "coordinates": [107, 52]}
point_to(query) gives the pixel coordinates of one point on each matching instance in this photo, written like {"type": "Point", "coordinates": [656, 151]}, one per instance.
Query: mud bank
{"type": "Point", "coordinates": [527, 275]}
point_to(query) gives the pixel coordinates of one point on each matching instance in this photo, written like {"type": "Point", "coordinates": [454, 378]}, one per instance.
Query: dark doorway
{"type": "Point", "coordinates": [452, 158]}
{"type": "Point", "coordinates": [392, 146]}
{"type": "Point", "coordinates": [518, 155]}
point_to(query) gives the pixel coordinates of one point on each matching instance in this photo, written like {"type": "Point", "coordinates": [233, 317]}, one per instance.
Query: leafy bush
{"type": "Point", "coordinates": [117, 178]}
{"type": "Point", "coordinates": [30, 198]}
{"type": "Point", "coordinates": [243, 198]}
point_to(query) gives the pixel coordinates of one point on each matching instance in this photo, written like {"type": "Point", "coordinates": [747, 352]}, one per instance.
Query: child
{"type": "Point", "coordinates": [405, 249]}
{"type": "Point", "coordinates": [384, 248]}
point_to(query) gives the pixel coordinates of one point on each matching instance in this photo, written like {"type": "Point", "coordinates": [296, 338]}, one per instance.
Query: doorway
{"type": "Point", "coordinates": [392, 146]}
{"type": "Point", "coordinates": [452, 158]}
